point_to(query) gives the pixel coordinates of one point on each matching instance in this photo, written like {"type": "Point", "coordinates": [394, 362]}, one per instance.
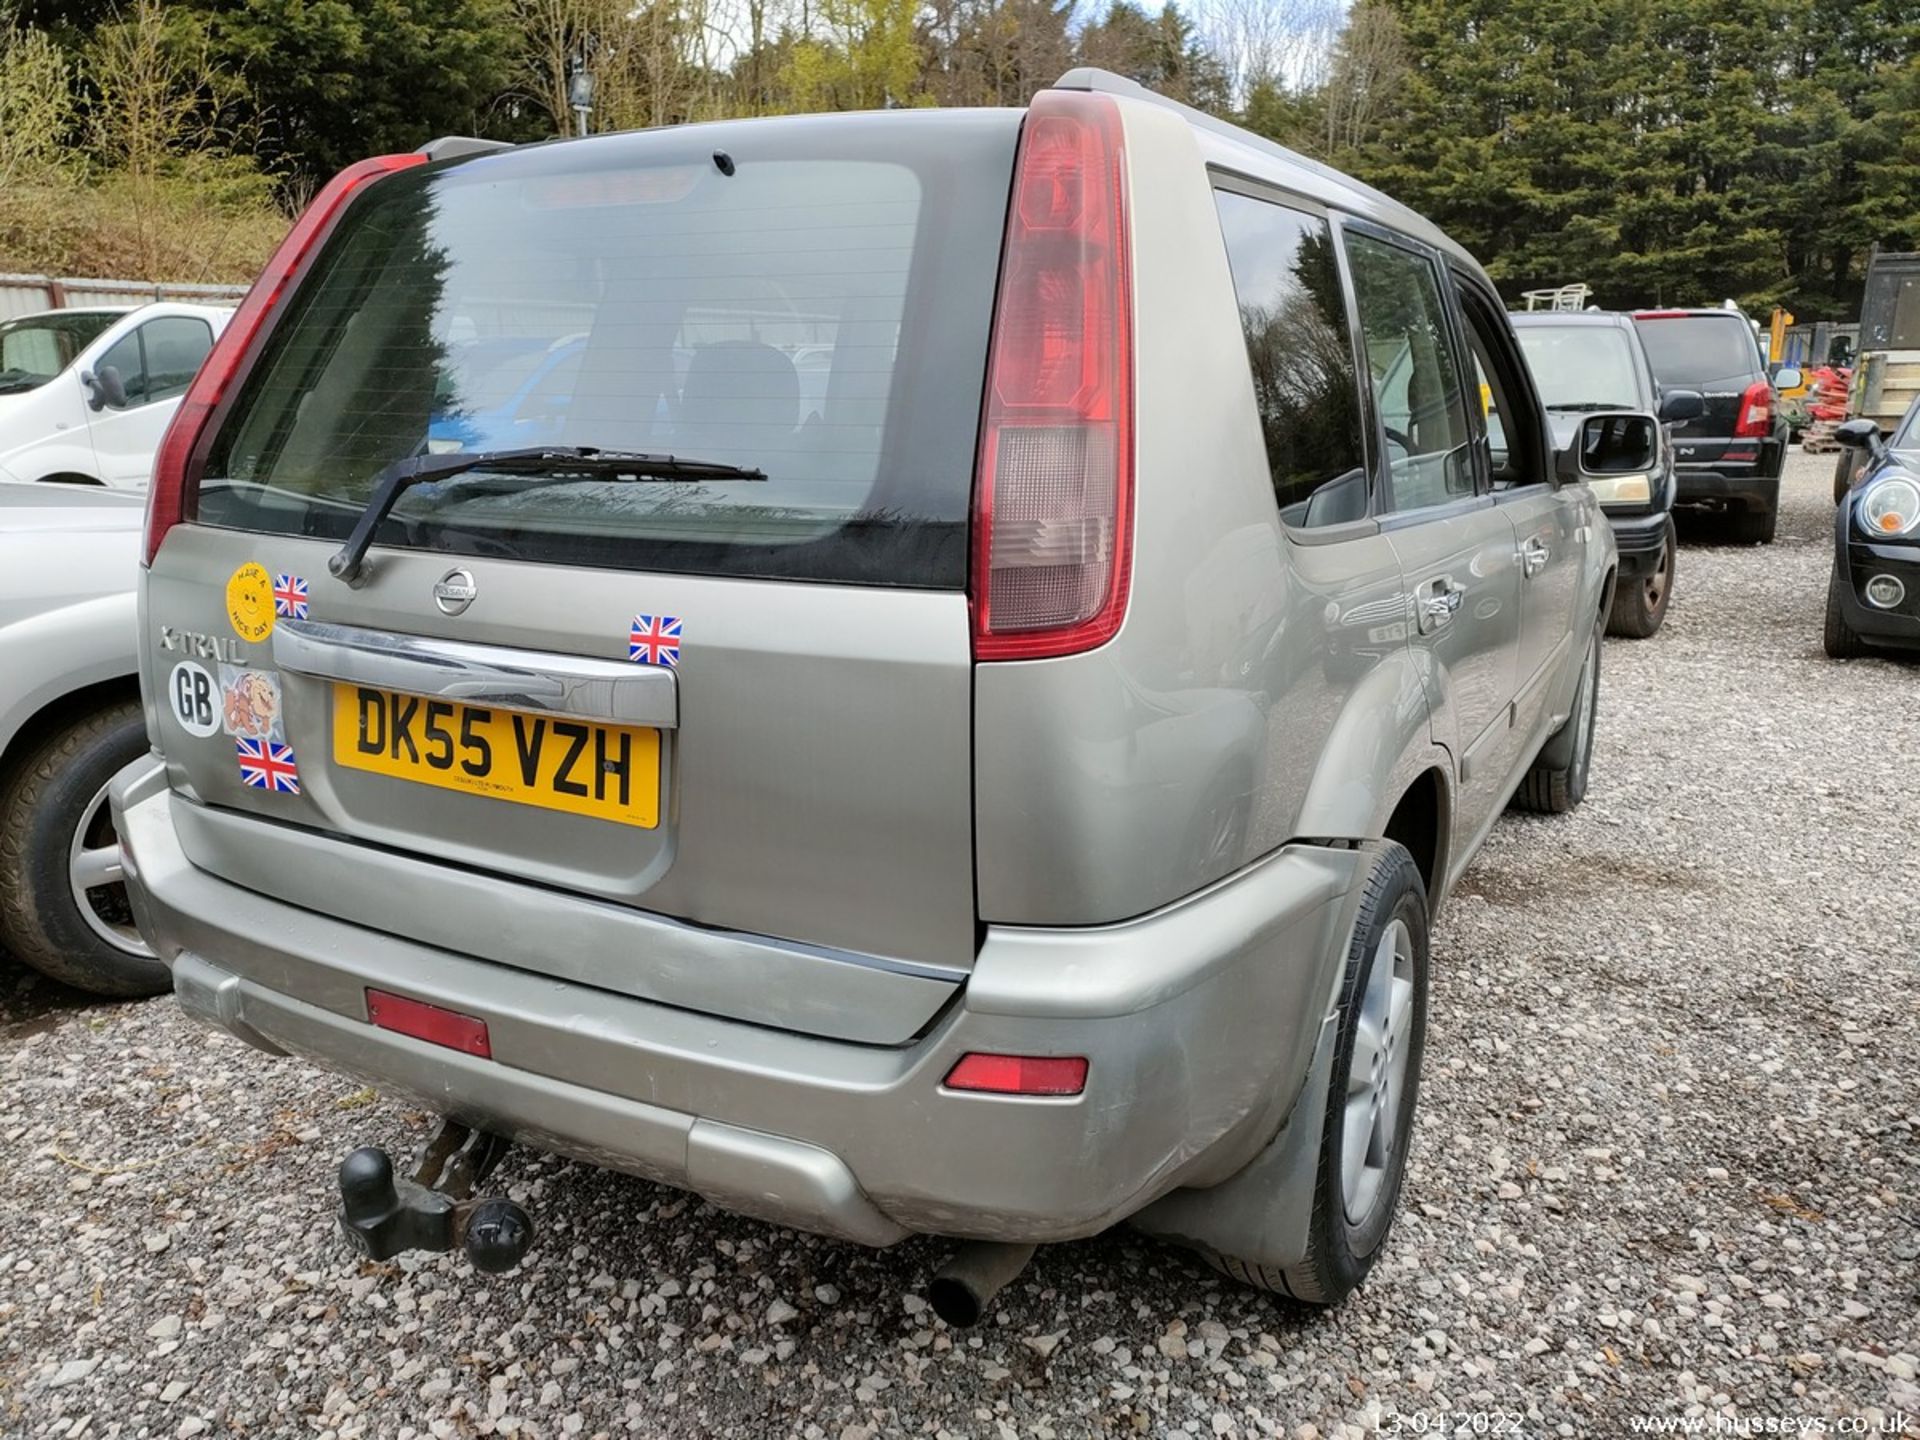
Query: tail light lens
{"type": "Point", "coordinates": [177, 464]}
{"type": "Point", "coordinates": [1756, 412]}
{"type": "Point", "coordinates": [1053, 502]}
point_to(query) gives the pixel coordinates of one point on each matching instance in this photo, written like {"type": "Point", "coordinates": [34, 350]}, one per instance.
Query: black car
{"type": "Point", "coordinates": [1586, 361]}
{"type": "Point", "coordinates": [1873, 595]}
{"type": "Point", "coordinates": [1728, 459]}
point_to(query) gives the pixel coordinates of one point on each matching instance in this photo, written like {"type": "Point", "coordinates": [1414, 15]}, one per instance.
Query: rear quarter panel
{"type": "Point", "coordinates": [1259, 689]}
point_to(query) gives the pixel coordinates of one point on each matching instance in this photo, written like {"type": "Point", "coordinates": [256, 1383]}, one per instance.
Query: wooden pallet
{"type": "Point", "coordinates": [1817, 439]}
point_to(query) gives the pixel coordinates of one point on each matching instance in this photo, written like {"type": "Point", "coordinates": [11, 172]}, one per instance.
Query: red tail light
{"type": "Point", "coordinates": [1756, 412]}
{"type": "Point", "coordinates": [176, 466]}
{"type": "Point", "coordinates": [1053, 502]}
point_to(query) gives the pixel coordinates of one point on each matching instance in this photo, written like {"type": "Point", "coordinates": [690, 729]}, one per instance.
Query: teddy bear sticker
{"type": "Point", "coordinates": [250, 703]}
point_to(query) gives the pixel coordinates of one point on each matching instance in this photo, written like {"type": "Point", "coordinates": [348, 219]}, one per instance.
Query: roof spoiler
{"type": "Point", "coordinates": [454, 147]}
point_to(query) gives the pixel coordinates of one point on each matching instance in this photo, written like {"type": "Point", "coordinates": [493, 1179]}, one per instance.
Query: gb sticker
{"type": "Point", "coordinates": [195, 699]}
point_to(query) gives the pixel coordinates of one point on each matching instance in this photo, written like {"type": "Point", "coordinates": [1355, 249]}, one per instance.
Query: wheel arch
{"type": "Point", "coordinates": [60, 711]}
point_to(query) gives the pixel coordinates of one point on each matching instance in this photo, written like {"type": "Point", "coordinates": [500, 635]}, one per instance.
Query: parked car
{"type": "Point", "coordinates": [1873, 593]}
{"type": "Point", "coordinates": [85, 395]}
{"type": "Point", "coordinates": [1586, 361]}
{"type": "Point", "coordinates": [69, 718]}
{"type": "Point", "coordinates": [1728, 459]}
{"type": "Point", "coordinates": [765, 800]}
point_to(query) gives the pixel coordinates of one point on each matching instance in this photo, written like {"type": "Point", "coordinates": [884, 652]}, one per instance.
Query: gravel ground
{"type": "Point", "coordinates": [1666, 1165]}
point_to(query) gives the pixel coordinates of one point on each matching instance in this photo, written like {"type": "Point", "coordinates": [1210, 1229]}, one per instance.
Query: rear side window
{"type": "Point", "coordinates": [1417, 385]}
{"type": "Point", "coordinates": [816, 308]}
{"type": "Point", "coordinates": [1694, 350]}
{"type": "Point", "coordinates": [1286, 278]}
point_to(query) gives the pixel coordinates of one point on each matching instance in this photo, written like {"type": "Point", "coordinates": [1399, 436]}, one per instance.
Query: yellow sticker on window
{"type": "Point", "coordinates": [250, 603]}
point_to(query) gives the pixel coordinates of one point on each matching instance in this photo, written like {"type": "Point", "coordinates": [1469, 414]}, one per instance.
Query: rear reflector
{"type": "Point", "coordinates": [176, 465]}
{"type": "Point", "coordinates": [1053, 523]}
{"type": "Point", "coordinates": [1019, 1074]}
{"type": "Point", "coordinates": [429, 1023]}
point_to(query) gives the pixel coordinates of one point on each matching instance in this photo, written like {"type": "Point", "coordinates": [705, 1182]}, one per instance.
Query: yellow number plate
{"type": "Point", "coordinates": [609, 772]}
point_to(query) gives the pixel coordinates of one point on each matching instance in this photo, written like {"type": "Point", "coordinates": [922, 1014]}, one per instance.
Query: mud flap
{"type": "Point", "coordinates": [1260, 1215]}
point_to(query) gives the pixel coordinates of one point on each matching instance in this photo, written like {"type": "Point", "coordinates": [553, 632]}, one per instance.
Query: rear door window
{"type": "Point", "coordinates": [817, 309]}
{"type": "Point", "coordinates": [1691, 351]}
{"type": "Point", "coordinates": [1286, 277]}
{"type": "Point", "coordinates": [1418, 387]}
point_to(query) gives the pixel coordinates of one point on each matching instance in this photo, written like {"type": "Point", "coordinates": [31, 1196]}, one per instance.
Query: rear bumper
{"type": "Point", "coordinates": [1198, 1021]}
{"type": "Point", "coordinates": [1749, 487]}
{"type": "Point", "coordinates": [1639, 539]}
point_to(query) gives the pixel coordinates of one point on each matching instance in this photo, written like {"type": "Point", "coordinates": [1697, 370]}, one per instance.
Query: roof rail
{"type": "Point", "coordinates": [453, 147]}
{"type": "Point", "coordinates": [1089, 77]}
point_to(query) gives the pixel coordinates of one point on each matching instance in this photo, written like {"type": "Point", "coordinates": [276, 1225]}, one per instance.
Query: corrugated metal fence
{"type": "Point", "coordinates": [25, 294]}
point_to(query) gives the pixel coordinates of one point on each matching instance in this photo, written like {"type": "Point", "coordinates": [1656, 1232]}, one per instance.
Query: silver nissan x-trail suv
{"type": "Point", "coordinates": [918, 672]}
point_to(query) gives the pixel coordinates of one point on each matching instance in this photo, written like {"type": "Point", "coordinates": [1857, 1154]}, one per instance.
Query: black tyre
{"type": "Point", "coordinates": [1640, 604]}
{"type": "Point", "coordinates": [1753, 527]}
{"type": "Point", "coordinates": [1842, 641]}
{"type": "Point", "coordinates": [1371, 1094]}
{"type": "Point", "coordinates": [1844, 465]}
{"type": "Point", "coordinates": [1557, 782]}
{"type": "Point", "coordinates": [56, 835]}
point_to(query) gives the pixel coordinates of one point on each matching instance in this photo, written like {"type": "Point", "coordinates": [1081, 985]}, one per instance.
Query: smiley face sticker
{"type": "Point", "coordinates": [250, 603]}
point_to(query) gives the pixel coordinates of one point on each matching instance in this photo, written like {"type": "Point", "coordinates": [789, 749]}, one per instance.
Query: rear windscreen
{"type": "Point", "coordinates": [1699, 349]}
{"type": "Point", "coordinates": [1582, 366]}
{"type": "Point", "coordinates": [805, 297]}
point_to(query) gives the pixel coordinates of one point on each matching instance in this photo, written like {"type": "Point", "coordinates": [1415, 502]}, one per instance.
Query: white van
{"type": "Point", "coordinates": [85, 395]}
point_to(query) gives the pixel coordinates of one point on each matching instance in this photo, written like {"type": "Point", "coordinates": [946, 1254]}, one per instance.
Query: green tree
{"type": "Point", "coordinates": [337, 80]}
{"type": "Point", "coordinates": [1163, 52]}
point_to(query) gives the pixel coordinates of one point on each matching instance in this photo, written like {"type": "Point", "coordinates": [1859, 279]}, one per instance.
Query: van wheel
{"type": "Point", "coordinates": [1640, 606]}
{"type": "Point", "coordinates": [1557, 782]}
{"type": "Point", "coordinates": [63, 905]}
{"type": "Point", "coordinates": [1842, 641]}
{"type": "Point", "coordinates": [1371, 1093]}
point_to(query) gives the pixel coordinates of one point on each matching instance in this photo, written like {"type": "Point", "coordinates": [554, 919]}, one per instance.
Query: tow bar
{"type": "Point", "coordinates": [435, 1210]}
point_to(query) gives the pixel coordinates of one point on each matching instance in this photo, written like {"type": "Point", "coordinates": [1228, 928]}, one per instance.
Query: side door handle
{"type": "Point", "coordinates": [1439, 601]}
{"type": "Point", "coordinates": [1533, 557]}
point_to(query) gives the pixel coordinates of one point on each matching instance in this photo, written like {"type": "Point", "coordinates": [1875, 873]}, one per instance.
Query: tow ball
{"type": "Point", "coordinates": [434, 1210]}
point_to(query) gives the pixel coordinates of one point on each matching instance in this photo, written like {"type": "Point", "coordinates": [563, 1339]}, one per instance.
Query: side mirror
{"type": "Point", "coordinates": [1860, 434]}
{"type": "Point", "coordinates": [1788, 377]}
{"type": "Point", "coordinates": [104, 388]}
{"type": "Point", "coordinates": [1678, 405]}
{"type": "Point", "coordinates": [1615, 442]}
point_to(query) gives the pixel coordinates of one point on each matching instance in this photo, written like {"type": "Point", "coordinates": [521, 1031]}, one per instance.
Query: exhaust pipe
{"type": "Point", "coordinates": [979, 1270]}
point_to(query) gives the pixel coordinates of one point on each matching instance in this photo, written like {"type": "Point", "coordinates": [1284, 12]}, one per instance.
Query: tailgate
{"type": "Point", "coordinates": [802, 772]}
{"type": "Point", "coordinates": [738, 699]}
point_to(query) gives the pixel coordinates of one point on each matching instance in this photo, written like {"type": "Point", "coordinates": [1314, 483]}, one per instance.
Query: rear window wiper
{"type": "Point", "coordinates": [390, 483]}
{"type": "Point", "coordinates": [1588, 406]}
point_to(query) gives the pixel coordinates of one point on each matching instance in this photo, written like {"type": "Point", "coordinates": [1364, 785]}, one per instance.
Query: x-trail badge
{"type": "Point", "coordinates": [454, 591]}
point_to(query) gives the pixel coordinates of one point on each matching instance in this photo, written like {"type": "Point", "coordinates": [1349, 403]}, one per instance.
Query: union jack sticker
{"type": "Point", "coordinates": [290, 597]}
{"type": "Point", "coordinates": [654, 640]}
{"type": "Point", "coordinates": [267, 766]}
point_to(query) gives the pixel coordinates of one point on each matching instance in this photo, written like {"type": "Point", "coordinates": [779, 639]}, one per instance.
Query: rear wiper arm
{"type": "Point", "coordinates": [402, 475]}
